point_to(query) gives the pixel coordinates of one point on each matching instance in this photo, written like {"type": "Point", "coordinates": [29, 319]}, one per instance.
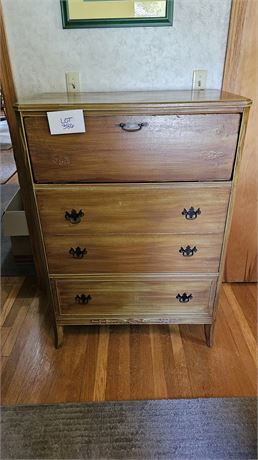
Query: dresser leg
{"type": "Point", "coordinates": [59, 335]}
{"type": "Point", "coordinates": [209, 330]}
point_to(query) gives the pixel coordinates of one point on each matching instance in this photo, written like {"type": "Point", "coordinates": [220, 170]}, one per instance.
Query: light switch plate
{"type": "Point", "coordinates": [72, 82]}
{"type": "Point", "coordinates": [199, 79]}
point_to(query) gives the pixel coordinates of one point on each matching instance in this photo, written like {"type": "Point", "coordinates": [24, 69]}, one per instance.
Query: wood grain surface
{"type": "Point", "coordinates": [133, 208]}
{"type": "Point", "coordinates": [241, 76]}
{"type": "Point", "coordinates": [180, 142]}
{"type": "Point", "coordinates": [133, 100]}
{"type": "Point", "coordinates": [136, 301]}
{"type": "Point", "coordinates": [133, 253]}
{"type": "Point", "coordinates": [125, 362]}
{"type": "Point", "coordinates": [170, 148]}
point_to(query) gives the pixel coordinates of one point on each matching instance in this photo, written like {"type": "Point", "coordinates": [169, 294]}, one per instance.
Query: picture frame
{"type": "Point", "coordinates": [78, 14]}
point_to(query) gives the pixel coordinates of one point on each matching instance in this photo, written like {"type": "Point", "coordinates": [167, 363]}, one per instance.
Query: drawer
{"type": "Point", "coordinates": [133, 208]}
{"type": "Point", "coordinates": [165, 148]}
{"type": "Point", "coordinates": [133, 254]}
{"type": "Point", "coordinates": [133, 301]}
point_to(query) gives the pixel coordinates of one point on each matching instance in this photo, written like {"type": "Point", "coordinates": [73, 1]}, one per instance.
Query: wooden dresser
{"type": "Point", "coordinates": [129, 220]}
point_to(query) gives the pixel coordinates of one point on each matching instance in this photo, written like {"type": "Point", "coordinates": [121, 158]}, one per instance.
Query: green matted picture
{"type": "Point", "coordinates": [116, 13]}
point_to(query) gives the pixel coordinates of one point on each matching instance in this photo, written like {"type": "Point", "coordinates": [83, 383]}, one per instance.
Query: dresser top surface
{"type": "Point", "coordinates": [130, 98]}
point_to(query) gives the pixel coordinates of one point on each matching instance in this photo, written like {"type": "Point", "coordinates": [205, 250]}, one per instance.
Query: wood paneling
{"type": "Point", "coordinates": [241, 76]}
{"type": "Point", "coordinates": [117, 208]}
{"type": "Point", "coordinates": [127, 362]}
{"type": "Point", "coordinates": [133, 254]}
{"type": "Point", "coordinates": [170, 148]}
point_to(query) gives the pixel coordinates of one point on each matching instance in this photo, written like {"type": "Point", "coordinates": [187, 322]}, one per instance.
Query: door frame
{"type": "Point", "coordinates": [8, 87]}
{"type": "Point", "coordinates": [240, 77]}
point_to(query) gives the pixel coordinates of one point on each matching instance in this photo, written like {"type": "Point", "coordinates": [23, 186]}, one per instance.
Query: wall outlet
{"type": "Point", "coordinates": [199, 79]}
{"type": "Point", "coordinates": [72, 82]}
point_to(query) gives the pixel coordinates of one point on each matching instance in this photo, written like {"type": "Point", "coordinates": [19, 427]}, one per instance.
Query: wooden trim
{"type": "Point", "coordinates": [134, 101]}
{"type": "Point", "coordinates": [230, 209]}
{"type": "Point", "coordinates": [175, 185]}
{"type": "Point", "coordinates": [240, 76]}
{"type": "Point", "coordinates": [235, 36]}
{"type": "Point", "coordinates": [72, 321]}
{"type": "Point", "coordinates": [137, 277]}
{"type": "Point", "coordinates": [137, 109]}
{"type": "Point", "coordinates": [8, 87]}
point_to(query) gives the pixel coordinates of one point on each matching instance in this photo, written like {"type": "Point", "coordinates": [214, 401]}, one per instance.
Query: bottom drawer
{"type": "Point", "coordinates": [100, 301]}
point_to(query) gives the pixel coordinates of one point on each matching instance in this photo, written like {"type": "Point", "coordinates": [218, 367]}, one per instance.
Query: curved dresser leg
{"type": "Point", "coordinates": [209, 331]}
{"type": "Point", "coordinates": [59, 335]}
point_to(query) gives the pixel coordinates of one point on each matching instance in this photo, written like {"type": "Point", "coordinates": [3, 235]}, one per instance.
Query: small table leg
{"type": "Point", "coordinates": [209, 331]}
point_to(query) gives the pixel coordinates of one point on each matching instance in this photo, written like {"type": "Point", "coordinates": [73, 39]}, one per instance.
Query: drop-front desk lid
{"type": "Point", "coordinates": [131, 99]}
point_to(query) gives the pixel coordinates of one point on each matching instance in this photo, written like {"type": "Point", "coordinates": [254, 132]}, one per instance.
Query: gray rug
{"type": "Point", "coordinates": [174, 429]}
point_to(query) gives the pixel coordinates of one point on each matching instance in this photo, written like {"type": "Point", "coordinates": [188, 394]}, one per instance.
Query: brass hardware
{"type": "Point", "coordinates": [77, 253]}
{"type": "Point", "coordinates": [184, 298]}
{"type": "Point", "coordinates": [191, 214]}
{"type": "Point", "coordinates": [74, 217]}
{"type": "Point", "coordinates": [83, 298]}
{"type": "Point", "coordinates": [188, 251]}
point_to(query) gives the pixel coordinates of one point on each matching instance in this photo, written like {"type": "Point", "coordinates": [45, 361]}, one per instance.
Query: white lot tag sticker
{"type": "Point", "coordinates": [66, 122]}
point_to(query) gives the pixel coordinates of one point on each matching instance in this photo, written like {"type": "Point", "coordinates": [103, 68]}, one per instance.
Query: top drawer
{"type": "Point", "coordinates": [135, 149]}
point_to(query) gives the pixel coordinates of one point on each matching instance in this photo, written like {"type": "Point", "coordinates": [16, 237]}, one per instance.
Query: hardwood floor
{"type": "Point", "coordinates": [113, 362]}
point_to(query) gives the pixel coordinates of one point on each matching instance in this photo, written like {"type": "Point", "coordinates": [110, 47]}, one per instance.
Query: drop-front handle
{"type": "Point", "coordinates": [132, 127]}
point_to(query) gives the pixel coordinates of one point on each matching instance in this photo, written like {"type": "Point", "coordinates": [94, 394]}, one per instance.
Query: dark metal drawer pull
{"type": "Point", "coordinates": [74, 217]}
{"type": "Point", "coordinates": [184, 298]}
{"type": "Point", "coordinates": [191, 214]}
{"type": "Point", "coordinates": [77, 253]}
{"type": "Point", "coordinates": [188, 251]}
{"type": "Point", "coordinates": [132, 127]}
{"type": "Point", "coordinates": [83, 298]}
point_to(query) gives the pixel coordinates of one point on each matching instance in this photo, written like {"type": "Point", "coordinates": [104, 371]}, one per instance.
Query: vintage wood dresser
{"type": "Point", "coordinates": [129, 220]}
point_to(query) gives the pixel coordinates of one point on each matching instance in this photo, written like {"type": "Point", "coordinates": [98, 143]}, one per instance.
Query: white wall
{"type": "Point", "coordinates": [143, 58]}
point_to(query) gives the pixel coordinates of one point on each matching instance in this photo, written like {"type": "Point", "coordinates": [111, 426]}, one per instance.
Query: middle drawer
{"type": "Point", "coordinates": [133, 253]}
{"type": "Point", "coordinates": [131, 208]}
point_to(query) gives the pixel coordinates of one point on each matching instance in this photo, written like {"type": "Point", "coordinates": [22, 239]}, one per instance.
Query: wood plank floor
{"type": "Point", "coordinates": [116, 363]}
